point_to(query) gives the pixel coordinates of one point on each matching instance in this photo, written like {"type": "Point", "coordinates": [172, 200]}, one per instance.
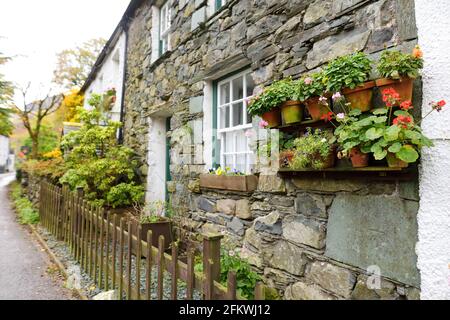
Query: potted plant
{"type": "Point", "coordinates": [402, 138]}
{"type": "Point", "coordinates": [350, 74]}
{"type": "Point", "coordinates": [398, 71]}
{"type": "Point", "coordinates": [280, 95]}
{"type": "Point", "coordinates": [155, 217]}
{"type": "Point", "coordinates": [227, 179]}
{"type": "Point", "coordinates": [314, 150]}
{"type": "Point", "coordinates": [352, 136]}
{"type": "Point", "coordinates": [311, 89]}
{"type": "Point", "coordinates": [385, 133]}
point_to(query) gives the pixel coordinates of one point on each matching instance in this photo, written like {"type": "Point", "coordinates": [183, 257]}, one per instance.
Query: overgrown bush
{"type": "Point", "coordinates": [53, 169]}
{"type": "Point", "coordinates": [24, 208]}
{"type": "Point", "coordinates": [107, 171]}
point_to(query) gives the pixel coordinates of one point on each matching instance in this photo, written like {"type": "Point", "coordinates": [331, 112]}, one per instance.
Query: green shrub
{"type": "Point", "coordinates": [24, 208]}
{"type": "Point", "coordinates": [107, 171]}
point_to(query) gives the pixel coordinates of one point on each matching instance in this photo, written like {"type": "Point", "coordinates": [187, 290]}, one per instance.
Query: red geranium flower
{"type": "Point", "coordinates": [438, 105]}
{"type": "Point", "coordinates": [391, 97]}
{"type": "Point", "coordinates": [327, 117]}
{"type": "Point", "coordinates": [403, 121]}
{"type": "Point", "coordinates": [406, 105]}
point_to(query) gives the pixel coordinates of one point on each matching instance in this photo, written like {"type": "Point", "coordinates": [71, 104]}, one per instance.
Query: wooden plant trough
{"type": "Point", "coordinates": [233, 183]}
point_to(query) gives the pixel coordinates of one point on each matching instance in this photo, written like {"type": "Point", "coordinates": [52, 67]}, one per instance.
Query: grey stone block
{"type": "Point", "coordinates": [375, 230]}
{"type": "Point", "coordinates": [196, 104]}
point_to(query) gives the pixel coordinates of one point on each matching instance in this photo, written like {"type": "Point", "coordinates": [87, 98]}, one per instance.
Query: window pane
{"type": "Point", "coordinates": [163, 19]}
{"type": "Point", "coordinates": [241, 162]}
{"type": "Point", "coordinates": [229, 161]}
{"type": "Point", "coordinates": [238, 88]}
{"type": "Point", "coordinates": [224, 117]}
{"type": "Point", "coordinates": [250, 84]}
{"type": "Point", "coordinates": [249, 117]}
{"type": "Point", "coordinates": [238, 114]}
{"type": "Point", "coordinates": [241, 144]}
{"type": "Point", "coordinates": [229, 143]}
{"type": "Point", "coordinates": [225, 93]}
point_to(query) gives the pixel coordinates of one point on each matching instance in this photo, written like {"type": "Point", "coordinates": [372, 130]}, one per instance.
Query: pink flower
{"type": "Point", "coordinates": [308, 80]}
{"type": "Point", "coordinates": [249, 133]}
{"type": "Point", "coordinates": [263, 124]}
{"type": "Point", "coordinates": [337, 96]}
{"type": "Point", "coordinates": [323, 100]}
{"type": "Point", "coordinates": [340, 116]}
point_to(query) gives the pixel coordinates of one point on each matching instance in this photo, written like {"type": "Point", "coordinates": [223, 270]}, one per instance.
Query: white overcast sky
{"type": "Point", "coordinates": [33, 31]}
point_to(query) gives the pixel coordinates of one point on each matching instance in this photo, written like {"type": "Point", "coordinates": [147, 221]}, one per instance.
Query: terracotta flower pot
{"type": "Point", "coordinates": [360, 97]}
{"type": "Point", "coordinates": [404, 86]}
{"type": "Point", "coordinates": [286, 157]}
{"type": "Point", "coordinates": [292, 112]}
{"type": "Point", "coordinates": [315, 108]}
{"type": "Point", "coordinates": [394, 162]}
{"type": "Point", "coordinates": [359, 159]}
{"type": "Point", "coordinates": [329, 161]}
{"type": "Point", "coordinates": [272, 117]}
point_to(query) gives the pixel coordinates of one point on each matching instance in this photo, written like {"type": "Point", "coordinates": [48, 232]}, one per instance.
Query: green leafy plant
{"type": "Point", "coordinates": [380, 134]}
{"type": "Point", "coordinates": [52, 169]}
{"type": "Point", "coordinates": [359, 130]}
{"type": "Point", "coordinates": [312, 149]}
{"type": "Point", "coordinates": [107, 172]}
{"type": "Point", "coordinates": [24, 208]}
{"type": "Point", "coordinates": [395, 64]}
{"type": "Point", "coordinates": [230, 260]}
{"type": "Point", "coordinates": [274, 95]}
{"type": "Point", "coordinates": [349, 71]}
{"type": "Point", "coordinates": [311, 86]}
{"type": "Point", "coordinates": [48, 140]}
{"type": "Point", "coordinates": [155, 211]}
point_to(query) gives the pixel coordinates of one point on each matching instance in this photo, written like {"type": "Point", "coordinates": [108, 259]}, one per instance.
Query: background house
{"type": "Point", "coordinates": [108, 72]}
{"type": "Point", "coordinates": [5, 161]}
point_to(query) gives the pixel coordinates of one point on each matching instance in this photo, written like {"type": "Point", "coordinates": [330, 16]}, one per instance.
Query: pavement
{"type": "Point", "coordinates": [24, 265]}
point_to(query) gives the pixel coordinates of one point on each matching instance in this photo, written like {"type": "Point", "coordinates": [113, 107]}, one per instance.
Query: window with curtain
{"type": "Point", "coordinates": [233, 94]}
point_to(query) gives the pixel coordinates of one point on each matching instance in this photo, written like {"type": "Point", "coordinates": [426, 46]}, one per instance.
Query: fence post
{"type": "Point", "coordinates": [211, 252]}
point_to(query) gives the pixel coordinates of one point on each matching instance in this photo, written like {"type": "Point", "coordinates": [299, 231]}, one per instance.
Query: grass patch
{"type": "Point", "coordinates": [24, 208]}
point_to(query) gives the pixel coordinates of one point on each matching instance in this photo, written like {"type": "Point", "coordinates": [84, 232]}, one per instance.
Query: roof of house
{"type": "Point", "coordinates": [109, 46]}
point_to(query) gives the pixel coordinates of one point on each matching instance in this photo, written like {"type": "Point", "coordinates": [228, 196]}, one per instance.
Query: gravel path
{"type": "Point", "coordinates": [26, 272]}
{"type": "Point", "coordinates": [90, 289]}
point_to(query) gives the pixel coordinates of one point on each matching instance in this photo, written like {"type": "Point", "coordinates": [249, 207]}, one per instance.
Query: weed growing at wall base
{"type": "Point", "coordinates": [24, 208]}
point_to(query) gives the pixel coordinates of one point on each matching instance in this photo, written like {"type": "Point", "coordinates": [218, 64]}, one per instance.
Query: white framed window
{"type": "Point", "coordinates": [164, 27]}
{"type": "Point", "coordinates": [233, 121]}
{"type": "Point", "coordinates": [219, 4]}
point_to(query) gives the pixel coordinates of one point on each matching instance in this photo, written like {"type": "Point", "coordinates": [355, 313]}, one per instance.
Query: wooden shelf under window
{"type": "Point", "coordinates": [378, 173]}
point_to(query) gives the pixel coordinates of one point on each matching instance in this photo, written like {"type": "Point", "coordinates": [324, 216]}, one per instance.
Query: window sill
{"type": "Point", "coordinates": [160, 60]}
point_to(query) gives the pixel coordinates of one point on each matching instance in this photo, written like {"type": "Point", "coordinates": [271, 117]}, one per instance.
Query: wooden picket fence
{"type": "Point", "coordinates": [106, 248]}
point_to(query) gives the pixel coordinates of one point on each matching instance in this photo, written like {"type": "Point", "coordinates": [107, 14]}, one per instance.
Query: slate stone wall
{"type": "Point", "coordinates": [308, 238]}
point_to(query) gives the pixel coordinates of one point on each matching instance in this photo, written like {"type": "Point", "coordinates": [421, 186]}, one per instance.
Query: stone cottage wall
{"type": "Point", "coordinates": [309, 238]}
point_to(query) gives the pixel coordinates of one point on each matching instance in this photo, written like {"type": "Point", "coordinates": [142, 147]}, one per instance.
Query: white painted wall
{"type": "Point", "coordinates": [110, 75]}
{"type": "Point", "coordinates": [433, 248]}
{"type": "Point", "coordinates": [4, 151]}
{"type": "Point", "coordinates": [156, 179]}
